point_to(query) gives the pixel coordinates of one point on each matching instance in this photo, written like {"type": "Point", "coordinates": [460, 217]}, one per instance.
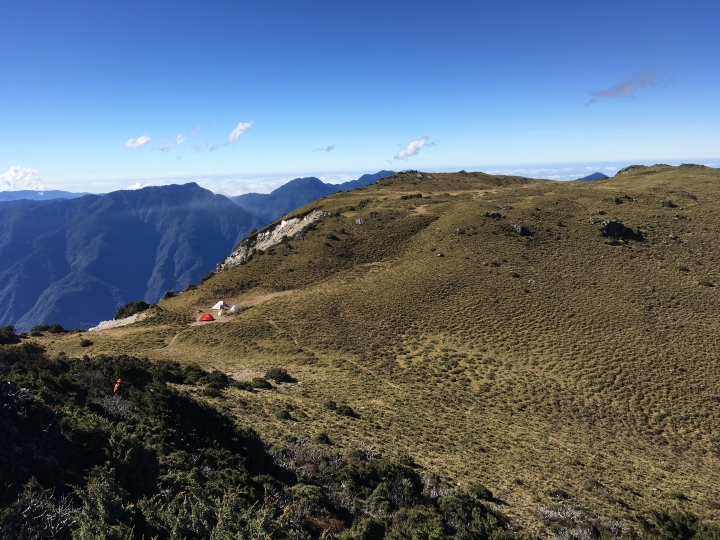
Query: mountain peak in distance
{"type": "Point", "coordinates": [593, 176]}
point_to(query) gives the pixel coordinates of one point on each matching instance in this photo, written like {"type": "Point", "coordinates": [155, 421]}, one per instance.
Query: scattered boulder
{"type": "Point", "coordinates": [493, 215]}
{"type": "Point", "coordinates": [359, 221]}
{"type": "Point", "coordinates": [616, 229]}
{"type": "Point", "coordinates": [521, 229]}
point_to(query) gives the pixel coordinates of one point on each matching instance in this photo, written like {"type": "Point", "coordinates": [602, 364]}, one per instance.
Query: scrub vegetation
{"type": "Point", "coordinates": [555, 342]}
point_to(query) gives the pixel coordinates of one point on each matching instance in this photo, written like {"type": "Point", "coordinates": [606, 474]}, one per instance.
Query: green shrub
{"type": "Point", "coordinates": [131, 308]}
{"type": "Point", "coordinates": [557, 493]}
{"type": "Point", "coordinates": [279, 375]}
{"type": "Point", "coordinates": [56, 328]}
{"type": "Point", "coordinates": [168, 294]}
{"type": "Point", "coordinates": [478, 491]}
{"type": "Point", "coordinates": [365, 529]}
{"type": "Point", "coordinates": [190, 287]}
{"type": "Point", "coordinates": [330, 404]}
{"type": "Point", "coordinates": [322, 438]}
{"type": "Point", "coordinates": [346, 410]}
{"type": "Point", "coordinates": [86, 343]}
{"type": "Point", "coordinates": [217, 379]}
{"type": "Point", "coordinates": [283, 414]}
{"type": "Point", "coordinates": [40, 328]}
{"type": "Point", "coordinates": [192, 374]}
{"type": "Point", "coordinates": [7, 335]}
{"type": "Point", "coordinates": [261, 384]}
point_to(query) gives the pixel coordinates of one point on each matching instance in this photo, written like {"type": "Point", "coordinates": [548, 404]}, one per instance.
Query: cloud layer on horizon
{"type": "Point", "coordinates": [19, 178]}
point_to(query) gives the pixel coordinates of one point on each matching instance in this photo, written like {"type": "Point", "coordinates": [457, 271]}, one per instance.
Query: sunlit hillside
{"type": "Point", "coordinates": [560, 367]}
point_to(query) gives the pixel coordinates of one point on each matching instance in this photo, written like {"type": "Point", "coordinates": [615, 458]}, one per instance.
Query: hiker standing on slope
{"type": "Point", "coordinates": [118, 387]}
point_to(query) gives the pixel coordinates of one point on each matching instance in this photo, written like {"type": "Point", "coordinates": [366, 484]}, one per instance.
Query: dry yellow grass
{"type": "Point", "coordinates": [551, 361]}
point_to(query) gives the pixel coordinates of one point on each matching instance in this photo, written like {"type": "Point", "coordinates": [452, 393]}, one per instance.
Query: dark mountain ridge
{"type": "Point", "coordinates": [593, 176]}
{"type": "Point", "coordinates": [74, 261]}
{"type": "Point", "coordinates": [35, 195]}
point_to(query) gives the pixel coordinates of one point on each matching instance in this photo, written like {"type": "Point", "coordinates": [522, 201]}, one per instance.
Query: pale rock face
{"type": "Point", "coordinates": [268, 238]}
{"type": "Point", "coordinates": [107, 325]}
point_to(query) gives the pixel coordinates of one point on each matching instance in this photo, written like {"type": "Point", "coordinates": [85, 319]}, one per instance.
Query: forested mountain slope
{"type": "Point", "coordinates": [75, 261]}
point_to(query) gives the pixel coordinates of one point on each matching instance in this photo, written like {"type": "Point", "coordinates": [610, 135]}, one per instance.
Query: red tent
{"type": "Point", "coordinates": [207, 317]}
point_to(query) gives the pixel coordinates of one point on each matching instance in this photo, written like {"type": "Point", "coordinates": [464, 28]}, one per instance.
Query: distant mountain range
{"type": "Point", "coordinates": [593, 176]}
{"type": "Point", "coordinates": [75, 260]}
{"type": "Point", "coordinates": [38, 195]}
{"type": "Point", "coordinates": [296, 193]}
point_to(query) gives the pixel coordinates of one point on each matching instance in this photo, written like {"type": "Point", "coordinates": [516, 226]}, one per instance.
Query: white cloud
{"type": "Point", "coordinates": [137, 185]}
{"type": "Point", "coordinates": [166, 146]}
{"type": "Point", "coordinates": [201, 147]}
{"type": "Point", "coordinates": [241, 128]}
{"type": "Point", "coordinates": [137, 143]}
{"type": "Point", "coordinates": [20, 178]}
{"type": "Point", "coordinates": [413, 148]}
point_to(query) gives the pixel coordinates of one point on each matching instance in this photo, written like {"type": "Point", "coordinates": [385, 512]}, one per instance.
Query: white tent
{"type": "Point", "coordinates": [220, 305]}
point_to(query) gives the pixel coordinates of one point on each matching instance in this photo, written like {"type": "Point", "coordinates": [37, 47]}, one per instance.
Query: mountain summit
{"type": "Point", "coordinates": [296, 193]}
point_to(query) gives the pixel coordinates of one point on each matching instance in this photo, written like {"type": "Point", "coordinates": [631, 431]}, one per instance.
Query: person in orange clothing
{"type": "Point", "coordinates": [118, 387]}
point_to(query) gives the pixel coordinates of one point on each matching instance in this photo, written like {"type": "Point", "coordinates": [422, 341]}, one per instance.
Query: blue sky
{"type": "Point", "coordinates": [335, 89]}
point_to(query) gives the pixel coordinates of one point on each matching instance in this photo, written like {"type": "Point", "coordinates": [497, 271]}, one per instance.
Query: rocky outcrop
{"type": "Point", "coordinates": [267, 238]}
{"type": "Point", "coordinates": [619, 231]}
{"type": "Point", "coordinates": [522, 230]}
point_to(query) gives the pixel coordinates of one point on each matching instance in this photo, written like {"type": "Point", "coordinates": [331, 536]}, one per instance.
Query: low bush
{"type": "Point", "coordinates": [346, 410]}
{"type": "Point", "coordinates": [283, 414]}
{"type": "Point", "coordinates": [7, 335]}
{"type": "Point", "coordinates": [131, 308]}
{"type": "Point", "coordinates": [261, 384]}
{"type": "Point", "coordinates": [279, 375]}
{"type": "Point", "coordinates": [86, 343]}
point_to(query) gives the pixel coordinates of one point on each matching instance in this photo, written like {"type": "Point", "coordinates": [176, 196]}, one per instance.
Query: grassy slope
{"type": "Point", "coordinates": [554, 361]}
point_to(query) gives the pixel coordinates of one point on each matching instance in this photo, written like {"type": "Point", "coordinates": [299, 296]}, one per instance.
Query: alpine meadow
{"type": "Point", "coordinates": [436, 355]}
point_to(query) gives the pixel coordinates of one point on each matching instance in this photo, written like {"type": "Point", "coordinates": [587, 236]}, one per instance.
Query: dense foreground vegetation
{"type": "Point", "coordinates": [78, 460]}
{"type": "Point", "coordinates": [155, 462]}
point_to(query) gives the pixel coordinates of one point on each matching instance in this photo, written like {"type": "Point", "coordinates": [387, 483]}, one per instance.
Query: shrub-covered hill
{"type": "Point", "coordinates": [157, 461]}
{"type": "Point", "coordinates": [556, 342]}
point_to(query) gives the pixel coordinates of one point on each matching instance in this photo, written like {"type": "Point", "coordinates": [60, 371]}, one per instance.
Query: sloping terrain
{"type": "Point", "coordinates": [488, 328]}
{"type": "Point", "coordinates": [75, 261]}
